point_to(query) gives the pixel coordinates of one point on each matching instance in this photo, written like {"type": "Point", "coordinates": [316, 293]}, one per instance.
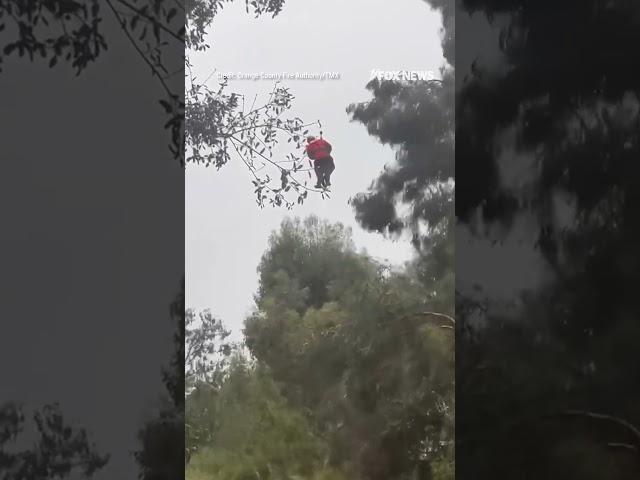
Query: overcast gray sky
{"type": "Point", "coordinates": [226, 233]}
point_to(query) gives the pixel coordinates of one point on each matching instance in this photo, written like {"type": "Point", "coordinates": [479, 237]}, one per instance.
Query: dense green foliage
{"type": "Point", "coordinates": [348, 373]}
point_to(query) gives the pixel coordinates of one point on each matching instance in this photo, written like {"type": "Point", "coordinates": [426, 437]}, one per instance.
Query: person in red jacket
{"type": "Point", "coordinates": [319, 151]}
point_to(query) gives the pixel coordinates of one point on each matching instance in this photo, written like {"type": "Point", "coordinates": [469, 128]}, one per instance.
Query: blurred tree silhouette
{"type": "Point", "coordinates": [73, 32]}
{"type": "Point", "coordinates": [60, 450]}
{"type": "Point", "coordinates": [552, 135]}
{"type": "Point", "coordinates": [162, 452]}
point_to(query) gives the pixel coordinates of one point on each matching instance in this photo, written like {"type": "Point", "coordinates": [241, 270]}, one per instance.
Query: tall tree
{"type": "Point", "coordinates": [358, 346]}
{"type": "Point", "coordinates": [206, 347]}
{"type": "Point", "coordinates": [417, 120]}
{"type": "Point", "coordinates": [206, 359]}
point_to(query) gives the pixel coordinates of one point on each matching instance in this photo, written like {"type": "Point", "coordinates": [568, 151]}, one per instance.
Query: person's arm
{"type": "Point", "coordinates": [310, 151]}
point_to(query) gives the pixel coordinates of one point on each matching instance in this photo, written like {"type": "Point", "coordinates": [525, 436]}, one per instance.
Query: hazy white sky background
{"type": "Point", "coordinates": [226, 233]}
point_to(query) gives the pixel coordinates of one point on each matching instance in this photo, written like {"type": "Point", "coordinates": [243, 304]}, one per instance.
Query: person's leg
{"type": "Point", "coordinates": [317, 167]}
{"type": "Point", "coordinates": [328, 170]}
{"type": "Point", "coordinates": [322, 165]}
{"type": "Point", "coordinates": [324, 175]}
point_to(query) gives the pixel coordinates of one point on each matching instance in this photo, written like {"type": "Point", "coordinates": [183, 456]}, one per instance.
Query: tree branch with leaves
{"type": "Point", "coordinates": [211, 124]}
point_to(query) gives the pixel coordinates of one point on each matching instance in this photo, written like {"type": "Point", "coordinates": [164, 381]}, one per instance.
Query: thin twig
{"type": "Point", "coordinates": [629, 427]}
{"type": "Point", "coordinates": [135, 45]}
{"type": "Point", "coordinates": [277, 166]}
{"type": "Point", "coordinates": [253, 172]}
{"type": "Point", "coordinates": [151, 19]}
{"type": "Point", "coordinates": [440, 315]}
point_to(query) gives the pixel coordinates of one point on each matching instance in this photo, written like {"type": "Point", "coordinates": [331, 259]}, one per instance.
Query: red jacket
{"type": "Point", "coordinates": [318, 149]}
